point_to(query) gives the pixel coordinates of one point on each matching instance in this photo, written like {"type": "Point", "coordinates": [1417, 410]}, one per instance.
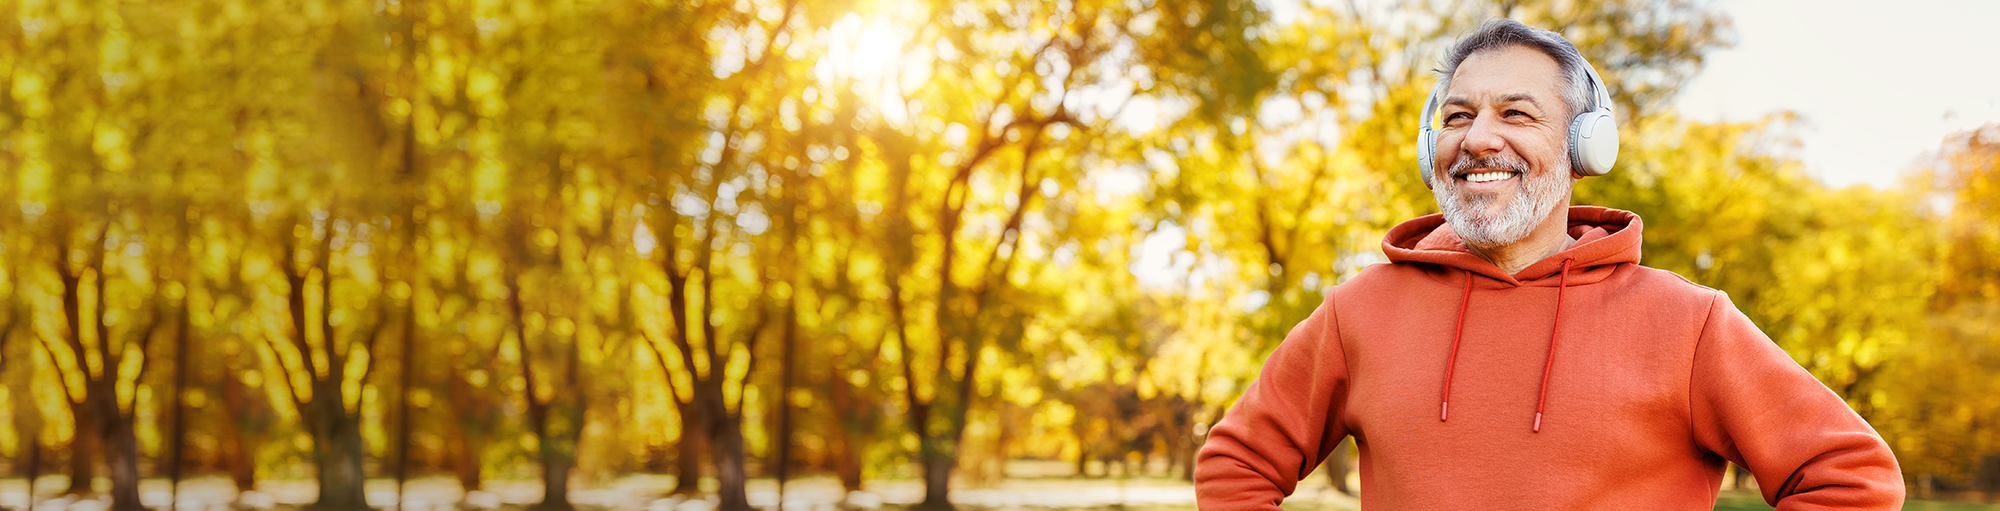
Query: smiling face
{"type": "Point", "coordinates": [1504, 146]}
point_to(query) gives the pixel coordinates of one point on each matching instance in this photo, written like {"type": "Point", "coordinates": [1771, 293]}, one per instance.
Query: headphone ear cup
{"type": "Point", "coordinates": [1593, 143]}
{"type": "Point", "coordinates": [1426, 153]}
{"type": "Point", "coordinates": [1427, 137]}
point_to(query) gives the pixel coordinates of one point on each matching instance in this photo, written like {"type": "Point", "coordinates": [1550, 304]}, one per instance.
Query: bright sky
{"type": "Point", "coordinates": [1877, 83]}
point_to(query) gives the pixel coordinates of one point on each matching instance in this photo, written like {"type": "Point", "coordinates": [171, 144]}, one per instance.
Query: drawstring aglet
{"type": "Point", "coordinates": [1444, 400]}
{"type": "Point", "coordinates": [1555, 332]}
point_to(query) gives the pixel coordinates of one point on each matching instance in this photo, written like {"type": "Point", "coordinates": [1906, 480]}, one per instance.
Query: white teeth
{"type": "Point", "coordinates": [1488, 176]}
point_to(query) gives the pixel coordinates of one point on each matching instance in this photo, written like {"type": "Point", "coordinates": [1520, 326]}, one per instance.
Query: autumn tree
{"type": "Point", "coordinates": [1933, 421]}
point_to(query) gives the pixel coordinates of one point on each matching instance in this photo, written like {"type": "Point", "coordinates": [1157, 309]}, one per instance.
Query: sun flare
{"type": "Point", "coordinates": [871, 56]}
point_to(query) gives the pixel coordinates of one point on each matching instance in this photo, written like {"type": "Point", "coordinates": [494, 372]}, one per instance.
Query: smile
{"type": "Point", "coordinates": [1483, 177]}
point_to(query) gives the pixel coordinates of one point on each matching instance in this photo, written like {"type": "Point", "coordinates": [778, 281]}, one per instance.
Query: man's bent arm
{"type": "Point", "coordinates": [1752, 404]}
{"type": "Point", "coordinates": [1286, 423]}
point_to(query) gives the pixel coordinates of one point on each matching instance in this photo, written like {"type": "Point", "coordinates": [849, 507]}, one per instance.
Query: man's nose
{"type": "Point", "coordinates": [1483, 138]}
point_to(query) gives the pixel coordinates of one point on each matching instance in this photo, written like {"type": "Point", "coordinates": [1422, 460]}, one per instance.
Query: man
{"type": "Point", "coordinates": [1514, 355]}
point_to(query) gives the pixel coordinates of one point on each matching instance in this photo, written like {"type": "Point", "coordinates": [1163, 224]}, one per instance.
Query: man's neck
{"type": "Point", "coordinates": [1549, 238]}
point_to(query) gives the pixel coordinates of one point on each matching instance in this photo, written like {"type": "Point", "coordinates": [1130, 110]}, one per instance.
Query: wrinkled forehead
{"type": "Point", "coordinates": [1506, 71]}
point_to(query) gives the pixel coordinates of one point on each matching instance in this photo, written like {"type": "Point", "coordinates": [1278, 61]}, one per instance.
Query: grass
{"type": "Point", "coordinates": [1744, 500]}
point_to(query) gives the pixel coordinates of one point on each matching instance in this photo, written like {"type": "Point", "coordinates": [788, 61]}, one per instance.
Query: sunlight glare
{"type": "Point", "coordinates": [867, 54]}
{"type": "Point", "coordinates": [859, 50]}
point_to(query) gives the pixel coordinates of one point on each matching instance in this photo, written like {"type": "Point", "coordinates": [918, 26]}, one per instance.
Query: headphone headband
{"type": "Point", "coordinates": [1597, 86]}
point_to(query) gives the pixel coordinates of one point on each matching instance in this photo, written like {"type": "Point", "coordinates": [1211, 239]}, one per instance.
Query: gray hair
{"type": "Point", "coordinates": [1502, 33]}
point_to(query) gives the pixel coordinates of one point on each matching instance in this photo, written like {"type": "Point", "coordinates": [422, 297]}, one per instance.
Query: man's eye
{"type": "Point", "coordinates": [1512, 113]}
{"type": "Point", "coordinates": [1459, 116]}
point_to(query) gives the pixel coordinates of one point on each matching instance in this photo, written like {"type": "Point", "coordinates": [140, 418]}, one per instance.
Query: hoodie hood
{"type": "Point", "coordinates": [1605, 237]}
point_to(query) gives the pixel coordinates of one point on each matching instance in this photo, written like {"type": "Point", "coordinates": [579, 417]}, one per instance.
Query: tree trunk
{"type": "Point", "coordinates": [34, 467]}
{"type": "Point", "coordinates": [339, 450]}
{"type": "Point", "coordinates": [28, 425]}
{"type": "Point", "coordinates": [558, 456]}
{"type": "Point", "coordinates": [538, 411]}
{"type": "Point", "coordinates": [726, 450]}
{"type": "Point", "coordinates": [83, 436]}
{"type": "Point", "coordinates": [114, 427]}
{"type": "Point", "coordinates": [722, 431]}
{"type": "Point", "coordinates": [688, 451]}
{"type": "Point", "coordinates": [558, 449]}
{"type": "Point", "coordinates": [470, 415]}
{"type": "Point", "coordinates": [846, 457]}
{"type": "Point", "coordinates": [34, 464]}
{"type": "Point", "coordinates": [236, 454]}
{"type": "Point", "coordinates": [1336, 465]}
{"type": "Point", "coordinates": [465, 464]}
{"type": "Point", "coordinates": [336, 433]}
{"type": "Point", "coordinates": [412, 197]}
{"type": "Point", "coordinates": [82, 450]}
{"type": "Point", "coordinates": [555, 481]}
{"type": "Point", "coordinates": [30, 435]}
{"type": "Point", "coordinates": [937, 480]}
{"type": "Point", "coordinates": [177, 438]}
{"type": "Point", "coordinates": [121, 453]}
{"type": "Point", "coordinates": [1083, 460]}
{"type": "Point", "coordinates": [935, 460]}
{"type": "Point", "coordinates": [407, 376]}
{"type": "Point", "coordinates": [846, 463]}
{"type": "Point", "coordinates": [340, 472]}
{"type": "Point", "coordinates": [790, 354]}
{"type": "Point", "coordinates": [236, 460]}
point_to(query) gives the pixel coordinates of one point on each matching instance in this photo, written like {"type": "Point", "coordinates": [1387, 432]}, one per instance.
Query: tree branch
{"type": "Point", "coordinates": [7, 332]}
{"type": "Point", "coordinates": [145, 353]}
{"type": "Point", "coordinates": [374, 334]}
{"type": "Point", "coordinates": [62, 377]}
{"type": "Point", "coordinates": [285, 375]}
{"type": "Point", "coordinates": [295, 300]}
{"type": "Point", "coordinates": [112, 359]}
{"type": "Point", "coordinates": [336, 358]}
{"type": "Point", "coordinates": [749, 345]}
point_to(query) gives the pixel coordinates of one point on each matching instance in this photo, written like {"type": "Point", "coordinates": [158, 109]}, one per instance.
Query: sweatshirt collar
{"type": "Point", "coordinates": [1605, 238]}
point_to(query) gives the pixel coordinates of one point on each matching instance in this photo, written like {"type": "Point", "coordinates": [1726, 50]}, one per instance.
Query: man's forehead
{"type": "Point", "coordinates": [1508, 73]}
{"type": "Point", "coordinates": [1499, 98]}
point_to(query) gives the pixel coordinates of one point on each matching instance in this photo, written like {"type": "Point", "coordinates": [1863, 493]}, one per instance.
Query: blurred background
{"type": "Point", "coordinates": [643, 254]}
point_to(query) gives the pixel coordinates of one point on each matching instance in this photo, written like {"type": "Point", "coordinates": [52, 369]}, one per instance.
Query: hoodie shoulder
{"type": "Point", "coordinates": [1672, 278]}
{"type": "Point", "coordinates": [1656, 286]}
{"type": "Point", "coordinates": [1378, 282]}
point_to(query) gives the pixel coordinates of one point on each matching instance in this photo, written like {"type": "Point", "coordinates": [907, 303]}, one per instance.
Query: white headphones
{"type": "Point", "coordinates": [1593, 135]}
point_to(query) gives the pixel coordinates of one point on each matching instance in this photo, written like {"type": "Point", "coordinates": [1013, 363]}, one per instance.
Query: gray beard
{"type": "Point", "coordinates": [1531, 204]}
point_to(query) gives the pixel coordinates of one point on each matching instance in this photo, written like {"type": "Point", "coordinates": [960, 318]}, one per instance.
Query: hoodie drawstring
{"type": "Point", "coordinates": [1444, 403]}
{"type": "Point", "coordinates": [1548, 365]}
{"type": "Point", "coordinates": [1555, 332]}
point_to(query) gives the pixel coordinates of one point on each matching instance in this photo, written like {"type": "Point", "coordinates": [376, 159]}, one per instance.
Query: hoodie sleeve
{"type": "Point", "coordinates": [1285, 424]}
{"type": "Point", "coordinates": [1750, 403]}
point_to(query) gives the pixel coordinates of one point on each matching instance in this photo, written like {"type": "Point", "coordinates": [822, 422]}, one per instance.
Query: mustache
{"type": "Point", "coordinates": [1491, 162]}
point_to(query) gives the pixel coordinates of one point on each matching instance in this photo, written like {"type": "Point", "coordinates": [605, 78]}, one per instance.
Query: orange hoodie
{"type": "Point", "coordinates": [1585, 381]}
